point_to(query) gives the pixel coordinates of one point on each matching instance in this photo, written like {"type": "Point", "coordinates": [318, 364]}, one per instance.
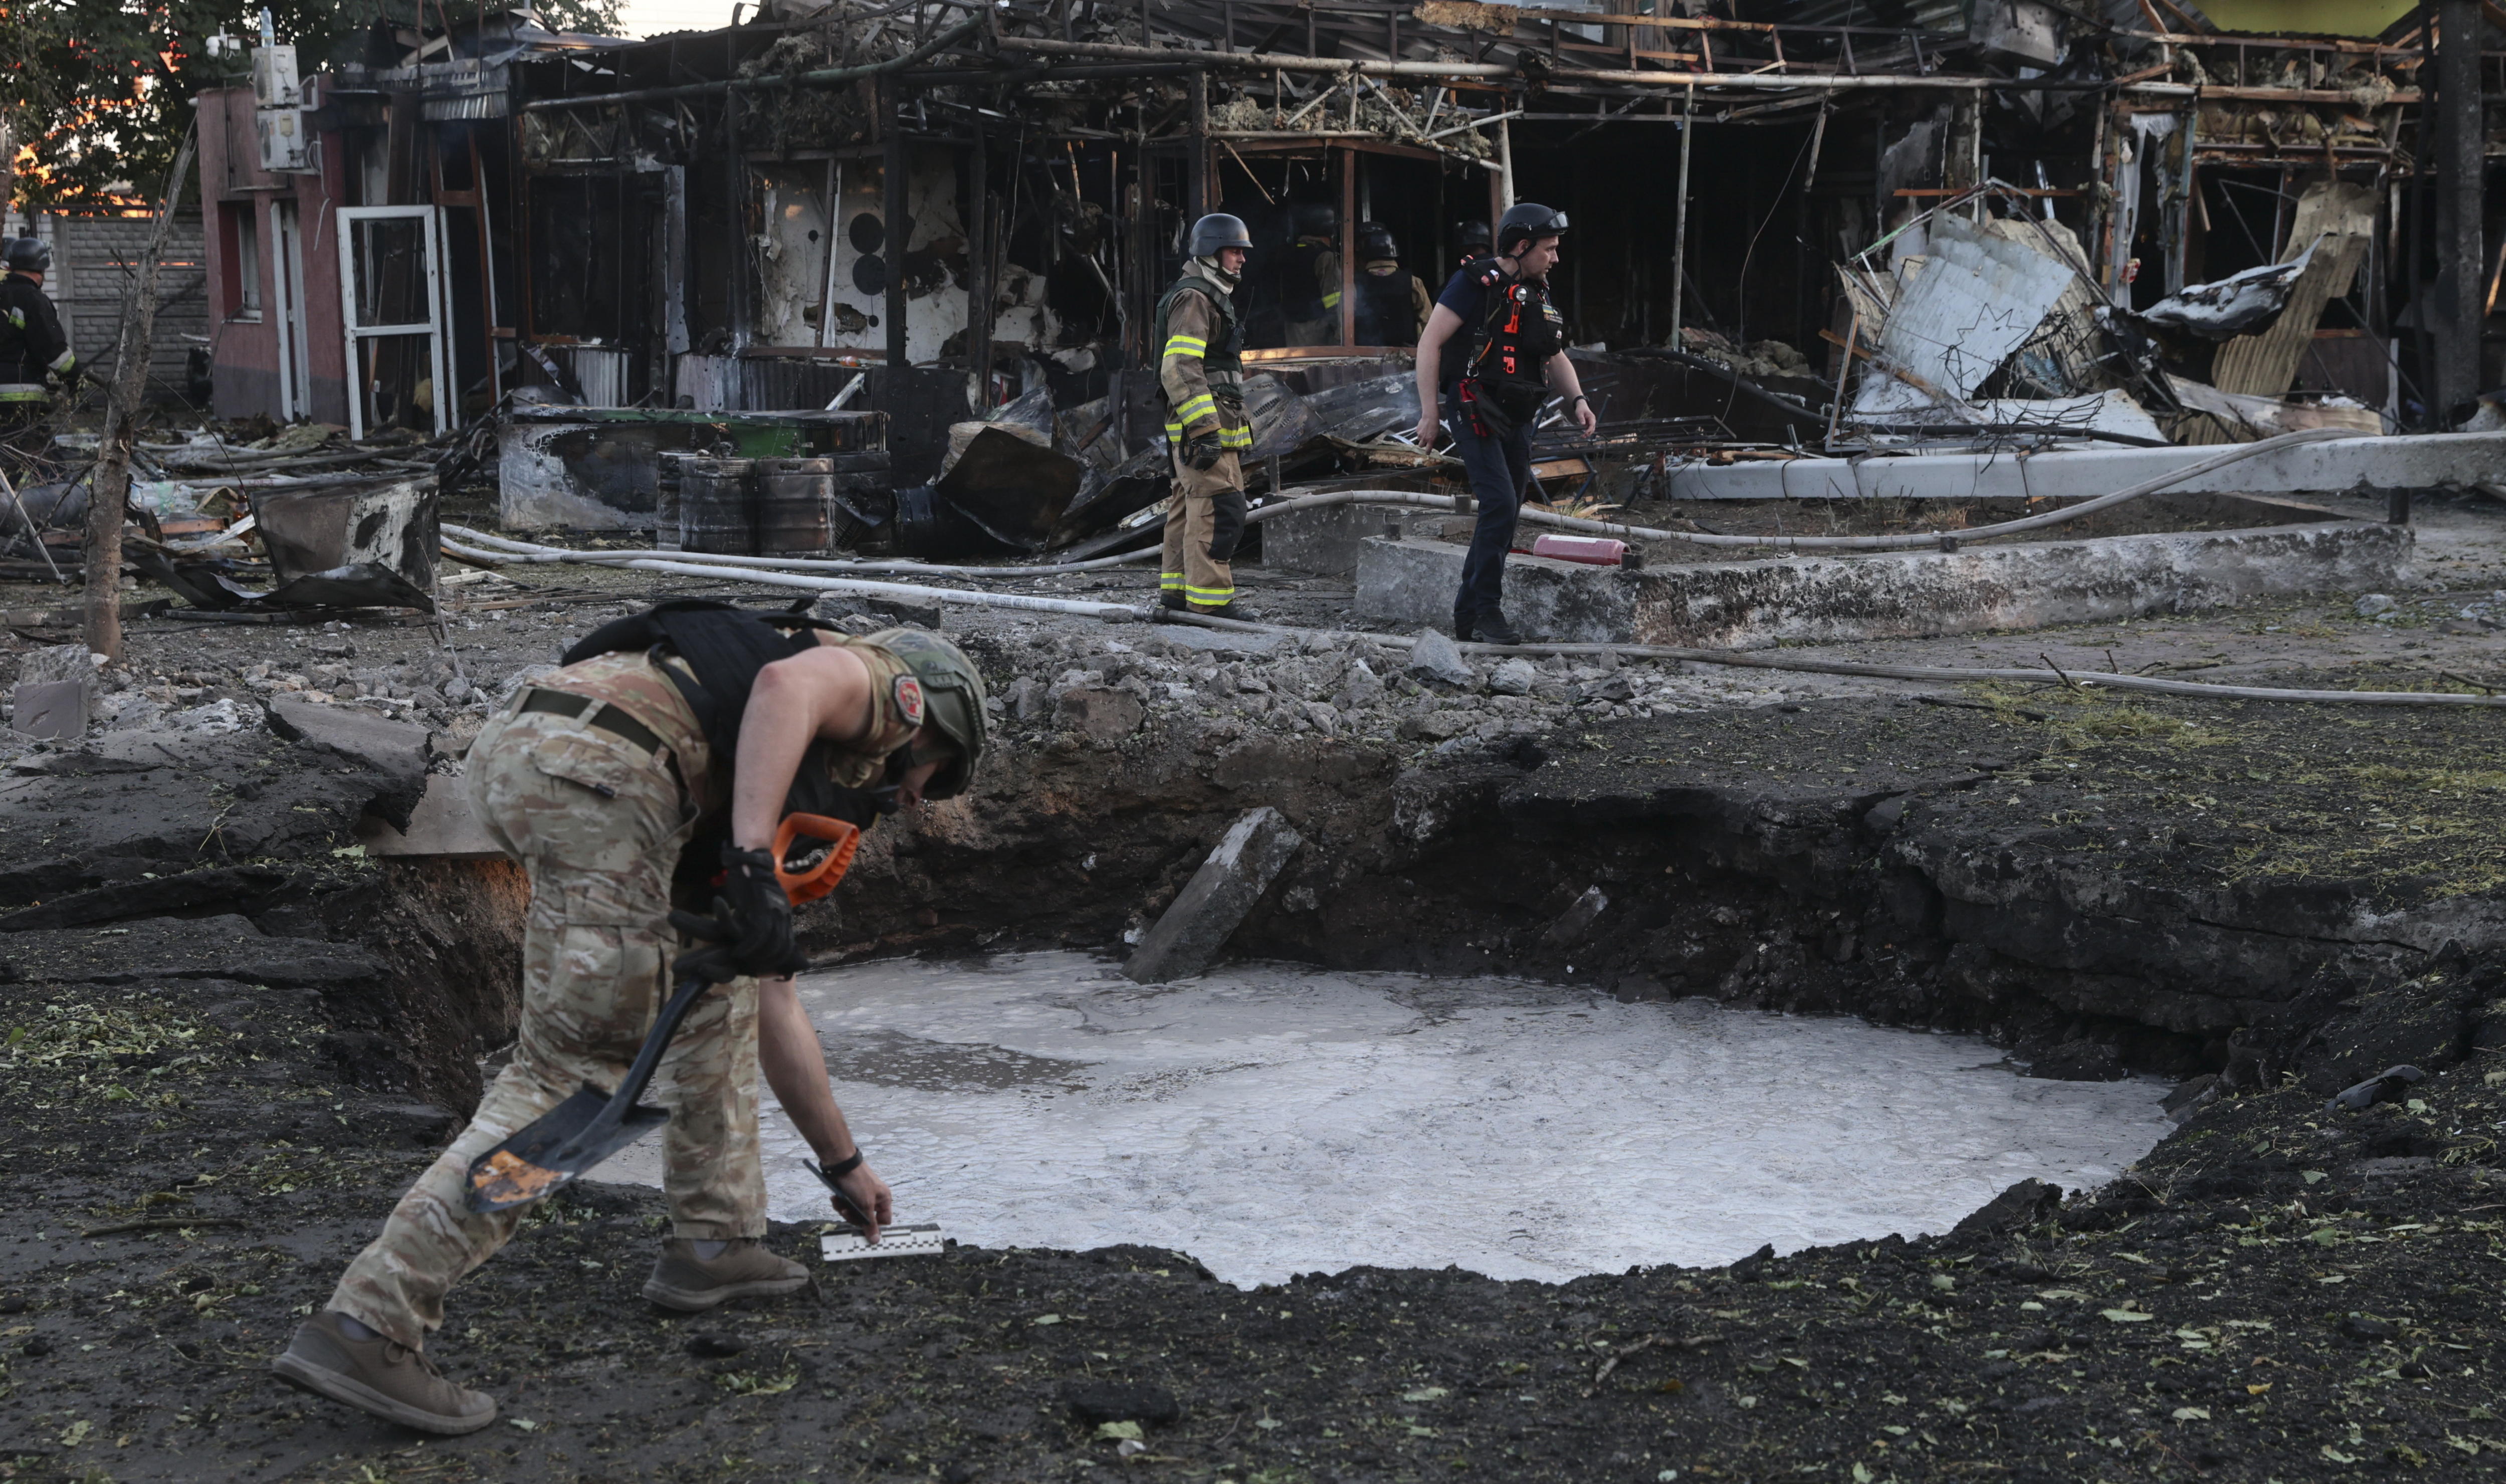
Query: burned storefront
{"type": "Point", "coordinates": [844, 234]}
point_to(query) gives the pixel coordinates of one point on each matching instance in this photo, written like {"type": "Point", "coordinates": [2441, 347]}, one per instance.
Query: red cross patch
{"type": "Point", "coordinates": [908, 699]}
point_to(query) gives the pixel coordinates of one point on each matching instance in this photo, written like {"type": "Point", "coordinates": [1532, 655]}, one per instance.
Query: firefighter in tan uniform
{"type": "Point", "coordinates": [655, 768]}
{"type": "Point", "coordinates": [1201, 370]}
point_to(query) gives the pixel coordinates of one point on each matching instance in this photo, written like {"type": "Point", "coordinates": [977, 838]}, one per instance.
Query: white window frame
{"type": "Point", "coordinates": [431, 219]}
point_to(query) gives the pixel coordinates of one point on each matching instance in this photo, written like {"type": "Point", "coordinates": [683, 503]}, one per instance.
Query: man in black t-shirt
{"type": "Point", "coordinates": [1482, 301]}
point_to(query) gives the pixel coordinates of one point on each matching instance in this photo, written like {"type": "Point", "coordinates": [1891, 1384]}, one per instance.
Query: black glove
{"type": "Point", "coordinates": [750, 932]}
{"type": "Point", "coordinates": [1204, 452]}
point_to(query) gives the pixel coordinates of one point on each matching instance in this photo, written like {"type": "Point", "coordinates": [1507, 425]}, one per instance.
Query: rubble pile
{"type": "Point", "coordinates": [1078, 687]}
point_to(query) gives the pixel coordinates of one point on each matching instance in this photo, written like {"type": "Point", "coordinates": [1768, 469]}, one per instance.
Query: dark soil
{"type": "Point", "coordinates": [223, 1061]}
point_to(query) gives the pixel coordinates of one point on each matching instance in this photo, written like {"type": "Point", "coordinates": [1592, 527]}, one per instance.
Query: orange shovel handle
{"type": "Point", "coordinates": [820, 880]}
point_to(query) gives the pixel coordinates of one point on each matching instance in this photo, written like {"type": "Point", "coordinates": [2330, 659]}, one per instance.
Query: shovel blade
{"type": "Point", "coordinates": [556, 1149]}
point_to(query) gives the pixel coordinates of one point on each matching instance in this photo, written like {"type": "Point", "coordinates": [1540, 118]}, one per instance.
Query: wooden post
{"type": "Point", "coordinates": [896, 211]}
{"type": "Point", "coordinates": [2460, 254]}
{"type": "Point", "coordinates": [109, 485]}
{"type": "Point", "coordinates": [1197, 173]}
{"type": "Point", "coordinates": [1679, 221]}
{"type": "Point", "coordinates": [1347, 245]}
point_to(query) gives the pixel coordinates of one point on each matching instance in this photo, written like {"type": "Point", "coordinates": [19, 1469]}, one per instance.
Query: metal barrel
{"type": "Point", "coordinates": [796, 506]}
{"type": "Point", "coordinates": [717, 507]}
{"type": "Point", "coordinates": [670, 470]}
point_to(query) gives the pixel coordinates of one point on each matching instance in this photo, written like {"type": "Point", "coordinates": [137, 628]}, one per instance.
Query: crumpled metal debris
{"type": "Point", "coordinates": [2241, 303]}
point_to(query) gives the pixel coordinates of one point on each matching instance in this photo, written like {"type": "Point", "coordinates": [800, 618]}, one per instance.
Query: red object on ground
{"type": "Point", "coordinates": [1592, 551]}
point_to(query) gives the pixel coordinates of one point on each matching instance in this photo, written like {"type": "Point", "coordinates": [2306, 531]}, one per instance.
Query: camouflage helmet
{"type": "Point", "coordinates": [953, 691]}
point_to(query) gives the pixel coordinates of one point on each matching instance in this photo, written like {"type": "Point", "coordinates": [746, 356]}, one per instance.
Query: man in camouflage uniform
{"type": "Point", "coordinates": [1201, 370]}
{"type": "Point", "coordinates": [597, 780]}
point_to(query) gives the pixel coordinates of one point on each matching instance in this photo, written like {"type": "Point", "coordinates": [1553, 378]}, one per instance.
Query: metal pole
{"type": "Point", "coordinates": [1505, 165]}
{"type": "Point", "coordinates": [1679, 223]}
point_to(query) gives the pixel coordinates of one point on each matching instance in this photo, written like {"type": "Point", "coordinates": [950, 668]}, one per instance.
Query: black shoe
{"type": "Point", "coordinates": [1229, 610]}
{"type": "Point", "coordinates": [1171, 600]}
{"type": "Point", "coordinates": [1490, 628]}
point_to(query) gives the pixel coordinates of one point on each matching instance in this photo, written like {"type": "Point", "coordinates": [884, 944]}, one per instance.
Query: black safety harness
{"type": "Point", "coordinates": [1507, 381]}
{"type": "Point", "coordinates": [725, 646]}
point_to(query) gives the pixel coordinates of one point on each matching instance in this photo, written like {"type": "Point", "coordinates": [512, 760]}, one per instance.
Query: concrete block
{"type": "Point", "coordinates": [1406, 582]}
{"type": "Point", "coordinates": [890, 612]}
{"type": "Point", "coordinates": [51, 710]}
{"type": "Point", "coordinates": [443, 825]}
{"type": "Point", "coordinates": [1578, 919]}
{"type": "Point", "coordinates": [1513, 677]}
{"type": "Point", "coordinates": [59, 662]}
{"type": "Point", "coordinates": [1436, 659]}
{"type": "Point", "coordinates": [1217, 899]}
{"type": "Point", "coordinates": [1101, 713]}
{"type": "Point", "coordinates": [1325, 540]}
{"type": "Point", "coordinates": [1904, 594]}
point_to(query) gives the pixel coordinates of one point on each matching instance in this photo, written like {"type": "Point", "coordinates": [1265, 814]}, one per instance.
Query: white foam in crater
{"type": "Point", "coordinates": [1272, 1118]}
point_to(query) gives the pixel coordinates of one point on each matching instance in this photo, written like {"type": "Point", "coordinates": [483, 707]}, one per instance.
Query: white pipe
{"type": "Point", "coordinates": [532, 552]}
{"type": "Point", "coordinates": [1111, 613]}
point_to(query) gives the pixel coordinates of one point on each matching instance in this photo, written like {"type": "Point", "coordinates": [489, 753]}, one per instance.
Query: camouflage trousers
{"type": "Point", "coordinates": [598, 823]}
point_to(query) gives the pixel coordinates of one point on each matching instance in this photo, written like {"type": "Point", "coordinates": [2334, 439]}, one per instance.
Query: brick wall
{"type": "Point", "coordinates": [90, 268]}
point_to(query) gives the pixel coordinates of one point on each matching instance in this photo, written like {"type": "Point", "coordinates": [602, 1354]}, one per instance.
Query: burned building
{"type": "Point", "coordinates": [933, 213]}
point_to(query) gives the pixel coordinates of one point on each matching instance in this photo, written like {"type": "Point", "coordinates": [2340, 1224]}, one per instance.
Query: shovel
{"type": "Point", "coordinates": [571, 1139]}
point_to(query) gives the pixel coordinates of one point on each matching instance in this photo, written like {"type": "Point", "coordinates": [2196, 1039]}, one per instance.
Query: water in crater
{"type": "Point", "coordinates": [1274, 1118]}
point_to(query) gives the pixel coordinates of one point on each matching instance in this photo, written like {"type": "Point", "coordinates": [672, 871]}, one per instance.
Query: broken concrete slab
{"type": "Point", "coordinates": [51, 710]}
{"type": "Point", "coordinates": [1435, 657]}
{"type": "Point", "coordinates": [2418, 461]}
{"type": "Point", "coordinates": [1759, 604]}
{"type": "Point", "coordinates": [443, 827]}
{"type": "Point", "coordinates": [394, 750]}
{"type": "Point", "coordinates": [1217, 899]}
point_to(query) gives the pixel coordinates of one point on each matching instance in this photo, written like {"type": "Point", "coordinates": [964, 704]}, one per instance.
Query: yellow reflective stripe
{"type": "Point", "coordinates": [1209, 594]}
{"type": "Point", "coordinates": [1174, 430]}
{"type": "Point", "coordinates": [1203, 405]}
{"type": "Point", "coordinates": [1185, 345]}
{"type": "Point", "coordinates": [1171, 581]}
{"type": "Point", "coordinates": [1236, 437]}
{"type": "Point", "coordinates": [1331, 300]}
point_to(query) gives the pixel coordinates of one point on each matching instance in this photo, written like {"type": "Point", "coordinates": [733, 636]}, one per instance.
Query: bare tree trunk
{"type": "Point", "coordinates": [8, 164]}
{"type": "Point", "coordinates": [109, 488]}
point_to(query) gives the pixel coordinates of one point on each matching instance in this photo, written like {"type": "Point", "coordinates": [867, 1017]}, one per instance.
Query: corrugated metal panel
{"type": "Point", "coordinates": [1976, 300]}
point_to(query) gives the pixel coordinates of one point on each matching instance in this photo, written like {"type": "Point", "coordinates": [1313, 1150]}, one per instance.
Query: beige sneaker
{"type": "Point", "coordinates": [383, 1376]}
{"type": "Point", "coordinates": [683, 1280]}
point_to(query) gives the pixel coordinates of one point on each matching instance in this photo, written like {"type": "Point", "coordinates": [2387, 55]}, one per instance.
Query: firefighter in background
{"type": "Point", "coordinates": [1200, 372]}
{"type": "Point", "coordinates": [32, 346]}
{"type": "Point", "coordinates": [1309, 285]}
{"type": "Point", "coordinates": [1392, 305]}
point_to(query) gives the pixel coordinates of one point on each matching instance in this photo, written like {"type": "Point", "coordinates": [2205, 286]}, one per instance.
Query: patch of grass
{"type": "Point", "coordinates": [2406, 800]}
{"type": "Point", "coordinates": [81, 1038]}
